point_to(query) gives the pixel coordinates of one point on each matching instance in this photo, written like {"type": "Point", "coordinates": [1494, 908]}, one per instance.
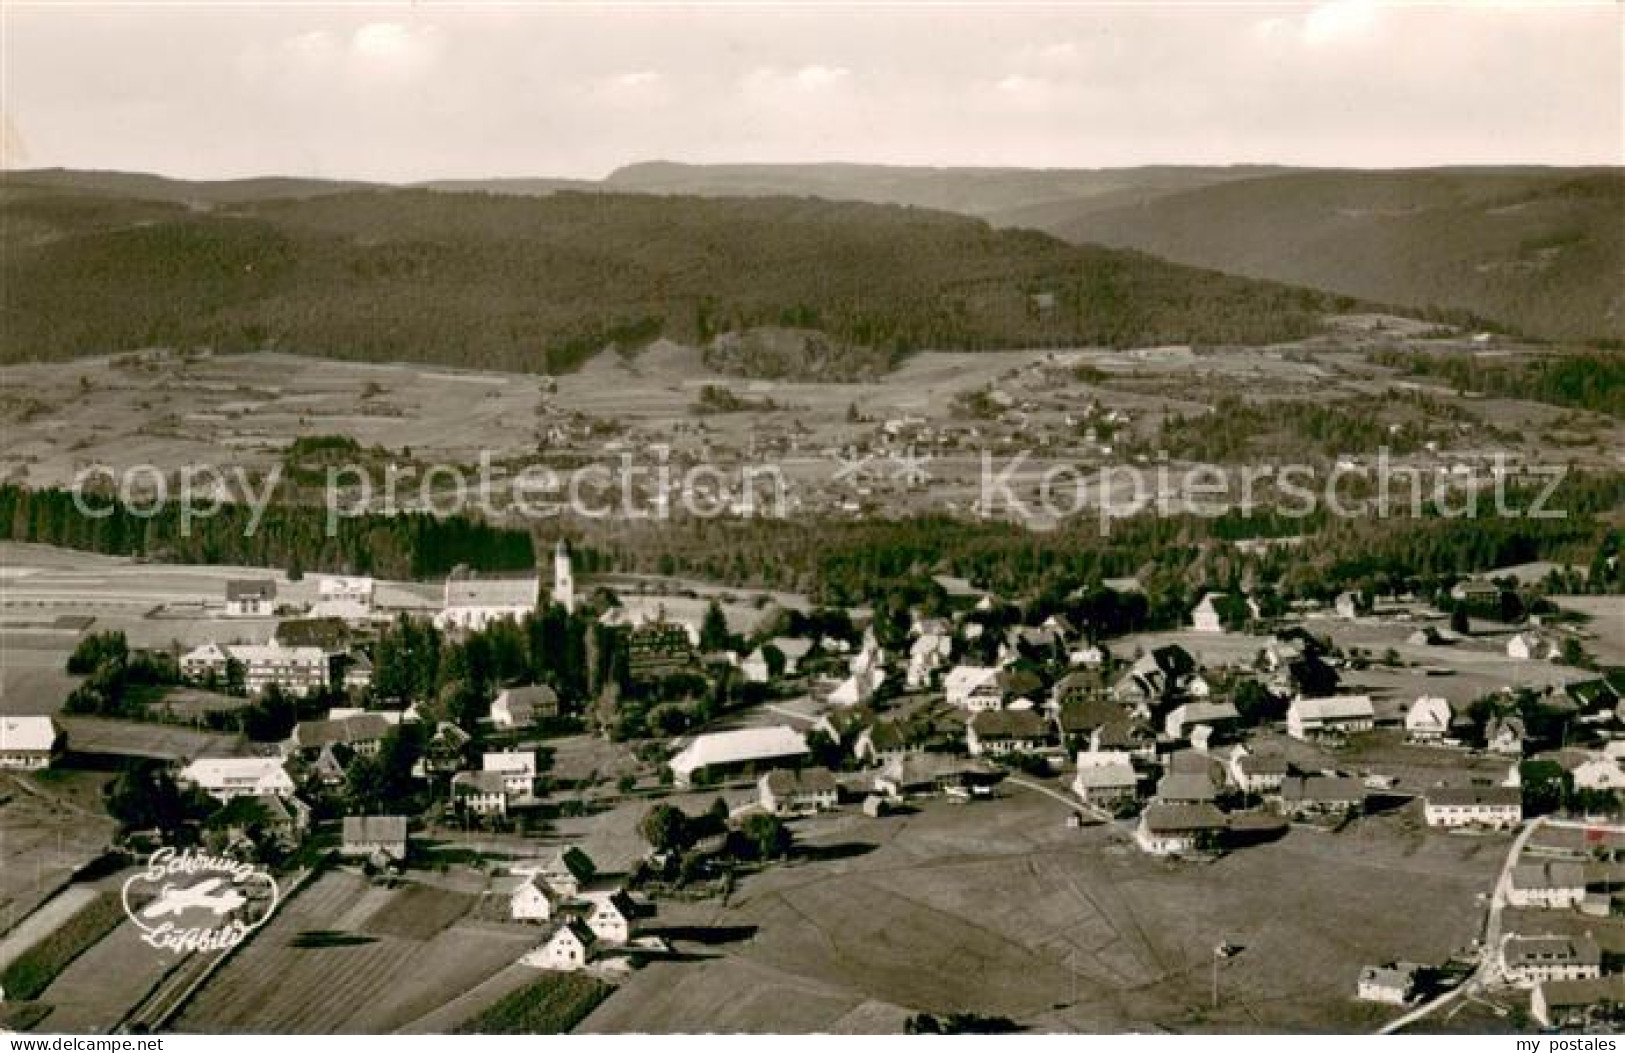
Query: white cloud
{"type": "Point", "coordinates": [1338, 21]}
{"type": "Point", "coordinates": [816, 78]}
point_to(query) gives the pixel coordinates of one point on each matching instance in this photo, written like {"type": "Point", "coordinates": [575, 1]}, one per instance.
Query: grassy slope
{"type": "Point", "coordinates": [540, 283]}
{"type": "Point", "coordinates": [1538, 250]}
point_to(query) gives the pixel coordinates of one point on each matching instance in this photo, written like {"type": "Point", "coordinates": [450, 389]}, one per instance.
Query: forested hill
{"type": "Point", "coordinates": [541, 283]}
{"type": "Point", "coordinates": [1539, 250]}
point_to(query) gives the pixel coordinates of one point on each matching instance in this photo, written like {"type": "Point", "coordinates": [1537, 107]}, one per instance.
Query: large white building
{"type": "Point", "coordinates": [973, 687]}
{"type": "Point", "coordinates": [723, 752]}
{"type": "Point", "coordinates": [1309, 718]}
{"type": "Point", "coordinates": [473, 602]}
{"type": "Point", "coordinates": [346, 597]}
{"type": "Point", "coordinates": [226, 777]}
{"type": "Point", "coordinates": [27, 743]}
{"type": "Point", "coordinates": [297, 670]}
{"type": "Point", "coordinates": [1494, 806]}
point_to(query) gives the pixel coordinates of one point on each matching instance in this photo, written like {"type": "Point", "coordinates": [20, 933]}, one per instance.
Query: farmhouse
{"type": "Point", "coordinates": [348, 598]}
{"type": "Point", "coordinates": [1184, 719]}
{"type": "Point", "coordinates": [566, 949]}
{"type": "Point", "coordinates": [226, 777]}
{"type": "Point", "coordinates": [886, 740]}
{"type": "Point", "coordinates": [472, 602]}
{"type": "Point", "coordinates": [1105, 778]}
{"type": "Point", "coordinates": [1428, 719]}
{"type": "Point", "coordinates": [974, 688]}
{"type": "Point", "coordinates": [1552, 885]}
{"type": "Point", "coordinates": [798, 792]}
{"type": "Point", "coordinates": [1504, 734]}
{"type": "Point", "coordinates": [1569, 1003]}
{"type": "Point", "coordinates": [1251, 773]}
{"type": "Point", "coordinates": [250, 599]}
{"type": "Point", "coordinates": [923, 774]}
{"type": "Point", "coordinates": [374, 835]}
{"type": "Point", "coordinates": [1390, 984]}
{"type": "Point", "coordinates": [521, 707]}
{"type": "Point", "coordinates": [1531, 960]}
{"type": "Point", "coordinates": [723, 753]}
{"type": "Point", "coordinates": [928, 653]}
{"type": "Point", "coordinates": [1170, 829]}
{"type": "Point", "coordinates": [362, 732]}
{"type": "Point", "coordinates": [999, 732]}
{"type": "Point", "coordinates": [28, 743]}
{"type": "Point", "coordinates": [1495, 806]}
{"type": "Point", "coordinates": [564, 872]}
{"type": "Point", "coordinates": [1308, 795]}
{"type": "Point", "coordinates": [1311, 718]}
{"type": "Point", "coordinates": [1187, 786]}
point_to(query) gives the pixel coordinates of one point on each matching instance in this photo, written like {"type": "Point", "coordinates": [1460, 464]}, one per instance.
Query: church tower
{"type": "Point", "coordinates": [564, 580]}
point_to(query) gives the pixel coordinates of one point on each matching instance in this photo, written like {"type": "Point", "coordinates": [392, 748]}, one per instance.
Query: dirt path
{"type": "Point", "coordinates": [44, 921]}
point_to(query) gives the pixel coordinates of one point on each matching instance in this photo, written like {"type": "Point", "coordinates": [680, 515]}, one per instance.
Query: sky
{"type": "Point", "coordinates": [403, 92]}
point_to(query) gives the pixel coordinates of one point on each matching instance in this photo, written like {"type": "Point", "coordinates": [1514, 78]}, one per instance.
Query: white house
{"type": "Point", "coordinates": [1309, 718]}
{"type": "Point", "coordinates": [1599, 773]}
{"type": "Point", "coordinates": [1428, 719]}
{"type": "Point", "coordinates": [564, 577]}
{"type": "Point", "coordinates": [928, 653]}
{"type": "Point", "coordinates": [567, 949]}
{"type": "Point", "coordinates": [226, 777]}
{"type": "Point", "coordinates": [564, 872]}
{"type": "Point", "coordinates": [1105, 778]}
{"type": "Point", "coordinates": [1172, 829]}
{"type": "Point", "coordinates": [27, 743]}
{"type": "Point", "coordinates": [481, 792]}
{"type": "Point", "coordinates": [973, 687]}
{"type": "Point", "coordinates": [250, 599]}
{"type": "Point", "coordinates": [999, 732]}
{"type": "Point", "coordinates": [1388, 984]}
{"type": "Point", "coordinates": [517, 768]}
{"type": "Point", "coordinates": [1548, 885]}
{"type": "Point", "coordinates": [793, 648]}
{"type": "Point", "coordinates": [349, 598]}
{"type": "Point", "coordinates": [1531, 960]}
{"type": "Point", "coordinates": [785, 792]}
{"type": "Point", "coordinates": [528, 899]}
{"type": "Point", "coordinates": [612, 917]}
{"type": "Point", "coordinates": [1205, 617]}
{"type": "Point", "coordinates": [1530, 646]}
{"type": "Point", "coordinates": [1493, 806]}
{"type": "Point", "coordinates": [472, 602]}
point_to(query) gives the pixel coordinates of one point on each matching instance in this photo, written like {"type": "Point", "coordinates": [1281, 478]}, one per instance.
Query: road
{"type": "Point", "coordinates": [1488, 970]}
{"type": "Point", "coordinates": [1089, 810]}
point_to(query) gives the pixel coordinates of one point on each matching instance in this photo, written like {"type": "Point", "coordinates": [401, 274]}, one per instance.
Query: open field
{"type": "Point", "coordinates": [319, 967]}
{"type": "Point", "coordinates": [44, 838]}
{"type": "Point", "coordinates": [96, 991]}
{"type": "Point", "coordinates": [999, 908]}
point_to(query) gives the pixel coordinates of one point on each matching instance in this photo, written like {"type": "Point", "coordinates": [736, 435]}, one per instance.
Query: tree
{"type": "Point", "coordinates": [714, 634]}
{"type": "Point", "coordinates": [1459, 622]}
{"type": "Point", "coordinates": [768, 835]}
{"type": "Point", "coordinates": [665, 827]}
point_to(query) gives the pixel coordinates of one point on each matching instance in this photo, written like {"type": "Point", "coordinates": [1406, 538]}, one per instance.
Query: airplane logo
{"type": "Point", "coordinates": [172, 900]}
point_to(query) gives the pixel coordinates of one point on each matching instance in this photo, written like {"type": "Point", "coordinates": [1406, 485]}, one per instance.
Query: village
{"type": "Point", "coordinates": [723, 745]}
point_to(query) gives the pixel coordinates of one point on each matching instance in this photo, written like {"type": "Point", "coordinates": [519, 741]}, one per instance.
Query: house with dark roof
{"type": "Point", "coordinates": [1174, 829]}
{"type": "Point", "coordinates": [374, 835]}
{"type": "Point", "coordinates": [521, 707]}
{"type": "Point", "coordinates": [1530, 960]}
{"type": "Point", "coordinates": [1303, 796]}
{"type": "Point", "coordinates": [247, 598]}
{"type": "Point", "coordinates": [997, 732]}
{"type": "Point", "coordinates": [804, 792]}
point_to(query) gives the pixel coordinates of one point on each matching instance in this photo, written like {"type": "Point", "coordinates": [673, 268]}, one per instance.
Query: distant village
{"type": "Point", "coordinates": [1186, 756]}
